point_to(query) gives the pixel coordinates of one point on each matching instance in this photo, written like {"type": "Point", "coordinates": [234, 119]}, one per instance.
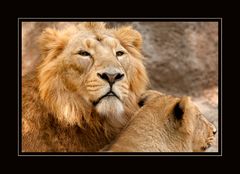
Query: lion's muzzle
{"type": "Point", "coordinates": [108, 94]}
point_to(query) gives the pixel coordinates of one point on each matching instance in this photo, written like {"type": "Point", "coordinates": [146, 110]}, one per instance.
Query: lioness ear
{"type": "Point", "coordinates": [129, 37]}
{"type": "Point", "coordinates": [51, 40]}
{"type": "Point", "coordinates": [178, 111]}
{"type": "Point", "coordinates": [180, 108]}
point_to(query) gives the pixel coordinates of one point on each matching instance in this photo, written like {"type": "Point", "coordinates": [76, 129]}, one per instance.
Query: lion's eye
{"type": "Point", "coordinates": [84, 53]}
{"type": "Point", "coordinates": [119, 53]}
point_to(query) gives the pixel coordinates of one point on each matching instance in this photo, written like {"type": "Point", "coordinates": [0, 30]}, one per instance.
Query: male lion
{"type": "Point", "coordinates": [165, 124]}
{"type": "Point", "coordinates": [84, 90]}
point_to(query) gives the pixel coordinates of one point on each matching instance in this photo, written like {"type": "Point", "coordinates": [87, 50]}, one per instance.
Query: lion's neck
{"type": "Point", "coordinates": [86, 138]}
{"type": "Point", "coordinates": [92, 134]}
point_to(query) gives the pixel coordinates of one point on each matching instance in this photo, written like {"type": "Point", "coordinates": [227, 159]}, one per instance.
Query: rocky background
{"type": "Point", "coordinates": [181, 58]}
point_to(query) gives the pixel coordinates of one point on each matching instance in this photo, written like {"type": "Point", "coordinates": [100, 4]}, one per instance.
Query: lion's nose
{"type": "Point", "coordinates": [111, 78]}
{"type": "Point", "coordinates": [214, 130]}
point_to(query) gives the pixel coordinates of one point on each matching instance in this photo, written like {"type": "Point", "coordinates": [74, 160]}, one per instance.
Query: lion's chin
{"type": "Point", "coordinates": [111, 108]}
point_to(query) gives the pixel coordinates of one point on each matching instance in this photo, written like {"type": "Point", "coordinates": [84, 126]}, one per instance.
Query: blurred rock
{"type": "Point", "coordinates": [181, 58]}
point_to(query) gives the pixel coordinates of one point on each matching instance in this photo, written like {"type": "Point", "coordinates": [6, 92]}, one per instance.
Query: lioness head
{"type": "Point", "coordinates": [91, 67]}
{"type": "Point", "coordinates": [185, 126]}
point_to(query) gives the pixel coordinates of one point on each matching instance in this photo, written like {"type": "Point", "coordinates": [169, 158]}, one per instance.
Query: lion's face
{"type": "Point", "coordinates": [101, 66]}
{"type": "Point", "coordinates": [105, 70]}
{"type": "Point", "coordinates": [186, 125]}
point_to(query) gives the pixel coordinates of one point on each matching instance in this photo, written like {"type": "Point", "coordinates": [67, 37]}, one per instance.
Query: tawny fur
{"type": "Point", "coordinates": [58, 114]}
{"type": "Point", "coordinates": [155, 127]}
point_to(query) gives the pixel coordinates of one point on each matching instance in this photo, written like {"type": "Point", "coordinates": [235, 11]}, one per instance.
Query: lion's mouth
{"type": "Point", "coordinates": [108, 94]}
{"type": "Point", "coordinates": [203, 148]}
{"type": "Point", "coordinates": [209, 143]}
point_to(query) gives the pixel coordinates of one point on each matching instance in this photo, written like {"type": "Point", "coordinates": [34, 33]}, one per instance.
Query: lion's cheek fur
{"type": "Point", "coordinates": [61, 96]}
{"type": "Point", "coordinates": [138, 82]}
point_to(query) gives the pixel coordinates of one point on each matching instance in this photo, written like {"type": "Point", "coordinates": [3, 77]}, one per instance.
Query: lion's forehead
{"type": "Point", "coordinates": [94, 41]}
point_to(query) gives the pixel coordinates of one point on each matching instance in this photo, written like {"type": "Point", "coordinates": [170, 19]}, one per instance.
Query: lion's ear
{"type": "Point", "coordinates": [178, 111]}
{"type": "Point", "coordinates": [52, 40]}
{"type": "Point", "coordinates": [180, 107]}
{"type": "Point", "coordinates": [129, 37]}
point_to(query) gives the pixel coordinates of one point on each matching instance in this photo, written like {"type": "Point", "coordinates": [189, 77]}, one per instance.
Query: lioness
{"type": "Point", "coordinates": [165, 124]}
